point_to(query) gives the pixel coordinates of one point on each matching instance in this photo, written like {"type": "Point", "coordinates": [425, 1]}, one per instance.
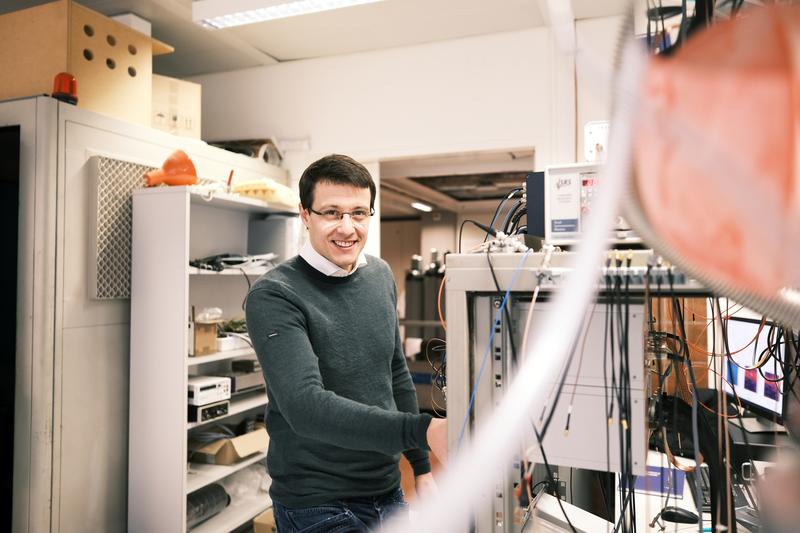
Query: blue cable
{"type": "Point", "coordinates": [489, 346]}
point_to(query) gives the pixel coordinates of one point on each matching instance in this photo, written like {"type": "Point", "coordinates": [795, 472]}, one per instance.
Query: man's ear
{"type": "Point", "coordinates": [303, 215]}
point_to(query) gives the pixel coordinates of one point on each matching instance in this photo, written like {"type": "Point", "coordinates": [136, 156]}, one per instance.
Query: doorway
{"type": "Point", "coordinates": [9, 221]}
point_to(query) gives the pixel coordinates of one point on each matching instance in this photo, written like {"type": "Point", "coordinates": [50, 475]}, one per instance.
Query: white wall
{"type": "Point", "coordinates": [481, 93]}
{"type": "Point", "coordinates": [488, 92]}
{"type": "Point", "coordinates": [436, 231]}
{"type": "Point", "coordinates": [598, 39]}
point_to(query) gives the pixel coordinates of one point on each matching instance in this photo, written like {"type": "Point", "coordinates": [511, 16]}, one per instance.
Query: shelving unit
{"type": "Point", "coordinates": [193, 271]}
{"type": "Point", "coordinates": [219, 356]}
{"type": "Point", "coordinates": [236, 514]}
{"type": "Point", "coordinates": [235, 202]}
{"type": "Point", "coordinates": [172, 225]}
{"type": "Point", "coordinates": [238, 405]}
{"type": "Point", "coordinates": [200, 475]}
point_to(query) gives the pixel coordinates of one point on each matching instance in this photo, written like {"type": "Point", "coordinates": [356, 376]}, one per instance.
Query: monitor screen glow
{"type": "Point", "coordinates": [759, 388]}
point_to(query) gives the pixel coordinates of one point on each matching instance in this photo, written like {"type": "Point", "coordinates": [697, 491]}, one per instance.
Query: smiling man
{"type": "Point", "coordinates": [342, 406]}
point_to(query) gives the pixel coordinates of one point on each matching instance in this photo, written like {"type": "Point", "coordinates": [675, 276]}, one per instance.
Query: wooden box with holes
{"type": "Point", "coordinates": [112, 63]}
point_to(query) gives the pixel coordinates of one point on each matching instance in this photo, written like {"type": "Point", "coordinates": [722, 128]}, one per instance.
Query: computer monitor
{"type": "Point", "coordinates": [759, 389]}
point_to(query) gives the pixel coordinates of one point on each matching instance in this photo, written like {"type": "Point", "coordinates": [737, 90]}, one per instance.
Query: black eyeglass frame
{"type": "Point", "coordinates": [341, 213]}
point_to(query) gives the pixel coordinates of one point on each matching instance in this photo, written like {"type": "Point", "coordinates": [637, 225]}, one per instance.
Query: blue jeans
{"type": "Point", "coordinates": [353, 515]}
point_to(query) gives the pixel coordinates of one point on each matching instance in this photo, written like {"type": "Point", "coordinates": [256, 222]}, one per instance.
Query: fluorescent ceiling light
{"type": "Point", "coordinates": [421, 206]}
{"type": "Point", "coordinates": [228, 13]}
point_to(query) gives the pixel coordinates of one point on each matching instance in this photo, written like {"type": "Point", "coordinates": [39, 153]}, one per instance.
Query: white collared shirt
{"type": "Point", "coordinates": [326, 266]}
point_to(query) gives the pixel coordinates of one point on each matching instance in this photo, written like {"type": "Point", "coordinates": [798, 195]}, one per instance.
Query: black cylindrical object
{"type": "Point", "coordinates": [204, 503]}
{"type": "Point", "coordinates": [432, 279]}
{"type": "Point", "coordinates": [414, 296]}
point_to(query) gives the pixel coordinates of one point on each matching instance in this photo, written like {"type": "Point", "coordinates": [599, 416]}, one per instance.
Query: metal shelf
{"type": "Point", "coordinates": [237, 513]}
{"type": "Point", "coordinates": [257, 271]}
{"type": "Point", "coordinates": [237, 406]}
{"type": "Point", "coordinates": [219, 356]}
{"type": "Point", "coordinates": [170, 226]}
{"type": "Point", "coordinates": [237, 202]}
{"type": "Point", "coordinates": [200, 475]}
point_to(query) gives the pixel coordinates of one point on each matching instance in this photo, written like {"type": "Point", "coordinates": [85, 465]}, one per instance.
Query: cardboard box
{"type": "Point", "coordinates": [176, 106]}
{"type": "Point", "coordinates": [203, 338]}
{"type": "Point", "coordinates": [265, 523]}
{"type": "Point", "coordinates": [230, 451]}
{"type": "Point", "coordinates": [112, 63]}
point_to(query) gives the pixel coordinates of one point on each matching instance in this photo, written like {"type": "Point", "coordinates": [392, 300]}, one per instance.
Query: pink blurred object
{"type": "Point", "coordinates": [717, 150]}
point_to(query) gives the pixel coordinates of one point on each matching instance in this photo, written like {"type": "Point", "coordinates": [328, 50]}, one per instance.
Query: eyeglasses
{"type": "Point", "coordinates": [334, 215]}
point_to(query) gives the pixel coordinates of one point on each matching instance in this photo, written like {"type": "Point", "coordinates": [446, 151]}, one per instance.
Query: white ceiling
{"type": "Point", "coordinates": [385, 24]}
{"type": "Point", "coordinates": [380, 25]}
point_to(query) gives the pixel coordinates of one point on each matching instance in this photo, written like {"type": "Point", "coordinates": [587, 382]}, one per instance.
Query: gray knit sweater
{"type": "Point", "coordinates": [341, 402]}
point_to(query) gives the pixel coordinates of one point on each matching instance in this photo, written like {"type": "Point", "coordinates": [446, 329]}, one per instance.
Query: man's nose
{"type": "Point", "coordinates": [346, 223]}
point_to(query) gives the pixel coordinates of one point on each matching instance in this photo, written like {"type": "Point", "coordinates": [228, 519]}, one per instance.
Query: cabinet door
{"type": "Point", "coordinates": [34, 287]}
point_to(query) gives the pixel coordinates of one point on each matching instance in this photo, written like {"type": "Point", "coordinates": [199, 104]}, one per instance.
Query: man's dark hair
{"type": "Point", "coordinates": [337, 169]}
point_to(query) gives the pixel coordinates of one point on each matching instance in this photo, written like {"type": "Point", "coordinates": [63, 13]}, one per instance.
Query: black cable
{"type": "Point", "coordinates": [539, 437]}
{"type": "Point", "coordinates": [676, 310]}
{"type": "Point", "coordinates": [562, 380]}
{"type": "Point", "coordinates": [624, 397]}
{"type": "Point", "coordinates": [629, 428]}
{"type": "Point", "coordinates": [616, 339]}
{"type": "Point", "coordinates": [460, 233]}
{"type": "Point", "coordinates": [773, 349]}
{"type": "Point", "coordinates": [247, 278]}
{"type": "Point", "coordinates": [682, 28]}
{"type": "Point", "coordinates": [662, 375]}
{"type": "Point", "coordinates": [615, 395]}
{"type": "Point", "coordinates": [608, 512]}
{"type": "Point", "coordinates": [499, 207]}
{"type": "Point", "coordinates": [510, 214]}
{"type": "Point", "coordinates": [727, 351]}
{"type": "Point", "coordinates": [664, 33]}
{"type": "Point", "coordinates": [506, 314]}
{"type": "Point", "coordinates": [571, 491]}
{"type": "Point", "coordinates": [537, 484]}
{"type": "Point", "coordinates": [515, 220]}
{"type": "Point", "coordinates": [487, 229]}
{"type": "Point", "coordinates": [550, 477]}
{"type": "Point", "coordinates": [624, 479]}
{"type": "Point", "coordinates": [791, 366]}
{"type": "Point", "coordinates": [719, 419]}
{"type": "Point", "coordinates": [624, 502]}
{"type": "Point", "coordinates": [608, 409]}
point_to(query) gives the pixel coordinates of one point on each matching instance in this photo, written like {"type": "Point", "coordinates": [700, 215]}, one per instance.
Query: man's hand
{"type": "Point", "coordinates": [425, 485]}
{"type": "Point", "coordinates": [437, 438]}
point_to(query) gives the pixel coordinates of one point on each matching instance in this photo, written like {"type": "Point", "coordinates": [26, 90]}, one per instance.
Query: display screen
{"type": "Point", "coordinates": [759, 388]}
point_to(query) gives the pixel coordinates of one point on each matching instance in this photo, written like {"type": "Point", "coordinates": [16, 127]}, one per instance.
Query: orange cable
{"type": "Point", "coordinates": [704, 352]}
{"type": "Point", "coordinates": [689, 390]}
{"type": "Point", "coordinates": [708, 322]}
{"type": "Point", "coordinates": [439, 304]}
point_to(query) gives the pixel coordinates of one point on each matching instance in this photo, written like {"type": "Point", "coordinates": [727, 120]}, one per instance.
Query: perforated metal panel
{"type": "Point", "coordinates": [114, 180]}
